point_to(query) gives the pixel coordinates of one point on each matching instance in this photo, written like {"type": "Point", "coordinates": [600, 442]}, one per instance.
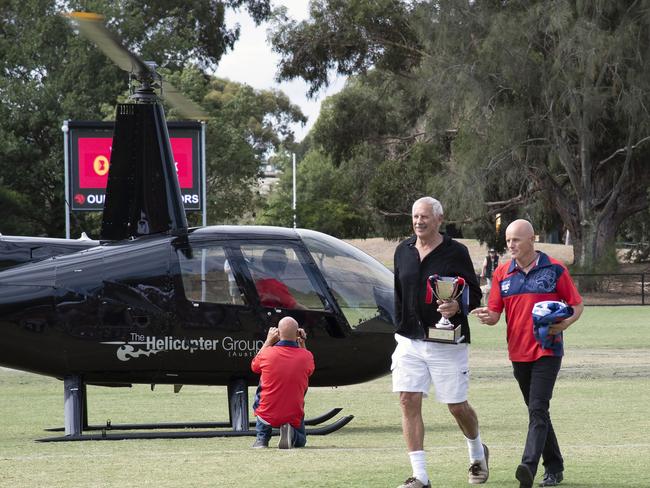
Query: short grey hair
{"type": "Point", "coordinates": [436, 206]}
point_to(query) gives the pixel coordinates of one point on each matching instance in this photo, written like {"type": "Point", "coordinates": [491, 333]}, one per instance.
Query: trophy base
{"type": "Point", "coordinates": [446, 336]}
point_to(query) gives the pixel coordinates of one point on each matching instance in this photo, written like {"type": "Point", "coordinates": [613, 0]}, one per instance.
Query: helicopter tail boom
{"type": "Point", "coordinates": [143, 195]}
{"type": "Point", "coordinates": [20, 250]}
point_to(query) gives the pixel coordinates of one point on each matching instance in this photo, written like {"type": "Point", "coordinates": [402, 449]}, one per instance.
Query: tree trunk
{"type": "Point", "coordinates": [595, 240]}
{"type": "Point", "coordinates": [593, 230]}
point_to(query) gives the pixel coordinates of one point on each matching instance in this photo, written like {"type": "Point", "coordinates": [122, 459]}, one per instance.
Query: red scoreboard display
{"type": "Point", "coordinates": [90, 155]}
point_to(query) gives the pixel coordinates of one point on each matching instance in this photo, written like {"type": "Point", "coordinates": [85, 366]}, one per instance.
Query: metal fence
{"type": "Point", "coordinates": [613, 288]}
{"type": "Point", "coordinates": [610, 288]}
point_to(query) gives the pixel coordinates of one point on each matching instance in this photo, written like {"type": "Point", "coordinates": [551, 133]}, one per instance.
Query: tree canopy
{"type": "Point", "coordinates": [246, 125]}
{"type": "Point", "coordinates": [49, 74]}
{"type": "Point", "coordinates": [519, 109]}
{"type": "Point", "coordinates": [347, 36]}
{"type": "Point", "coordinates": [502, 109]}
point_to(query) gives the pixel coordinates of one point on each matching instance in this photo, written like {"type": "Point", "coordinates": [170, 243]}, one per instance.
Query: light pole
{"type": "Point", "coordinates": [293, 204]}
{"type": "Point", "coordinates": [65, 129]}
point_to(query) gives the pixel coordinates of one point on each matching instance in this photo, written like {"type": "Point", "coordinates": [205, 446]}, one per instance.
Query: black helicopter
{"type": "Point", "coordinates": [155, 302]}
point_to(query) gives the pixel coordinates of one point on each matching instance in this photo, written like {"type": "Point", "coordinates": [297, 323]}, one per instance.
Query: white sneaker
{"type": "Point", "coordinates": [286, 437]}
{"type": "Point", "coordinates": [479, 470]}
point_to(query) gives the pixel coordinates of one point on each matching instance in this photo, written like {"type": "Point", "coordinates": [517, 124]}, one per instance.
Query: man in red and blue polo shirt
{"type": "Point", "coordinates": [285, 366]}
{"type": "Point", "coordinates": [530, 277]}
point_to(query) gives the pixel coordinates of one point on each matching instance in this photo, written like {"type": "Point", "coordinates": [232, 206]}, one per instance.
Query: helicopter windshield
{"type": "Point", "coordinates": [361, 285]}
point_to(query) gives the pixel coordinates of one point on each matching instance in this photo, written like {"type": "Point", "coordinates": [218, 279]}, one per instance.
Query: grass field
{"type": "Point", "coordinates": [600, 410]}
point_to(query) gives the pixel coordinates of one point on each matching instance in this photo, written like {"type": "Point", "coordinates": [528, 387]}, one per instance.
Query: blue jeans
{"type": "Point", "coordinates": [264, 430]}
{"type": "Point", "coordinates": [536, 381]}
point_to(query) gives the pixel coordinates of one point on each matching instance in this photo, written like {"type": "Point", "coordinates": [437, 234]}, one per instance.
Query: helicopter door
{"type": "Point", "coordinates": [280, 279]}
{"type": "Point", "coordinates": [213, 297]}
{"type": "Point", "coordinates": [284, 282]}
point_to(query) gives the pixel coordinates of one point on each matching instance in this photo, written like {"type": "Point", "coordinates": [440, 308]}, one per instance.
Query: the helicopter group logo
{"type": "Point", "coordinates": [140, 345]}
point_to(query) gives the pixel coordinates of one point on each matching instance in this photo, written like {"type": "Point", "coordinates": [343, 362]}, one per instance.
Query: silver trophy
{"type": "Point", "coordinates": [446, 289]}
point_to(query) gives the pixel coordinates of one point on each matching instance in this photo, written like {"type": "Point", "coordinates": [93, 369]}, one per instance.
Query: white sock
{"type": "Point", "coordinates": [418, 463]}
{"type": "Point", "coordinates": [475, 448]}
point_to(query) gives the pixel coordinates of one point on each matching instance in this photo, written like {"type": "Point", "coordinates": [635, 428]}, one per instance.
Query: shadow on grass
{"type": "Point", "coordinates": [430, 428]}
{"type": "Point", "coordinates": [372, 429]}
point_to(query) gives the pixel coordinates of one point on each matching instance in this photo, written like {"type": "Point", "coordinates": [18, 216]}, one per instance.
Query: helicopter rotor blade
{"type": "Point", "coordinates": [186, 107]}
{"type": "Point", "coordinates": [92, 26]}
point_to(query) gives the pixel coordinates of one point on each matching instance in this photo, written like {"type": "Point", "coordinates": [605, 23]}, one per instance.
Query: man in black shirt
{"type": "Point", "coordinates": [416, 362]}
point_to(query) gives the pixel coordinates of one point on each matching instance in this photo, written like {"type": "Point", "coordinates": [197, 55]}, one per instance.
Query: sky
{"type": "Point", "coordinates": [253, 62]}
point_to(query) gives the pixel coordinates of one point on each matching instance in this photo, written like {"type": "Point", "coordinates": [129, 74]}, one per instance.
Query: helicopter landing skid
{"type": "Point", "coordinates": [76, 420]}
{"type": "Point", "coordinates": [189, 425]}
{"type": "Point", "coordinates": [194, 434]}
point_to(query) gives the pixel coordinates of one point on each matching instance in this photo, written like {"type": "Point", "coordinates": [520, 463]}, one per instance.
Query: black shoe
{"type": "Point", "coordinates": [414, 483]}
{"type": "Point", "coordinates": [260, 444]}
{"type": "Point", "coordinates": [552, 479]}
{"type": "Point", "coordinates": [525, 476]}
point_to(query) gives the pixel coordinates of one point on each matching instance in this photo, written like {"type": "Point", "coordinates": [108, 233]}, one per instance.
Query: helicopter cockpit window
{"type": "Point", "coordinates": [208, 277]}
{"type": "Point", "coordinates": [362, 286]}
{"type": "Point", "coordinates": [279, 277]}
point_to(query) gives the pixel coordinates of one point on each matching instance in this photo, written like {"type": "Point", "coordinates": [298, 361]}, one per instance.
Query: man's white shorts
{"type": "Point", "coordinates": [416, 364]}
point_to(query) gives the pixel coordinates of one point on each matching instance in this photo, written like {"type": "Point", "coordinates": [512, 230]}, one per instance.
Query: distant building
{"type": "Point", "coordinates": [270, 178]}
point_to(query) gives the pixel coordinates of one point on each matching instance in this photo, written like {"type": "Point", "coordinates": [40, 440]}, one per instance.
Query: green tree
{"type": "Point", "coordinates": [349, 37]}
{"type": "Point", "coordinates": [326, 199]}
{"type": "Point", "coordinates": [49, 74]}
{"type": "Point", "coordinates": [245, 127]}
{"type": "Point", "coordinates": [546, 102]}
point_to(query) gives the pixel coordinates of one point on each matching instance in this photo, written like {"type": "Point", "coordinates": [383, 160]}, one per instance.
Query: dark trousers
{"type": "Point", "coordinates": [536, 381]}
{"type": "Point", "coordinates": [264, 431]}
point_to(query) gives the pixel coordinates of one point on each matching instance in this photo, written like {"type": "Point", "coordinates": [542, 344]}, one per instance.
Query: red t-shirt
{"type": "Point", "coordinates": [518, 292]}
{"type": "Point", "coordinates": [274, 293]}
{"type": "Point", "coordinates": [285, 376]}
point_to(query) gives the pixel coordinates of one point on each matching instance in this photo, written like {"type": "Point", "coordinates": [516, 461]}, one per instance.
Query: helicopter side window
{"type": "Point", "coordinates": [279, 277]}
{"type": "Point", "coordinates": [208, 277]}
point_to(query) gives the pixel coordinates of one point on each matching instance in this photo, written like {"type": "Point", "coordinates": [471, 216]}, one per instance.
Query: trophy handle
{"type": "Point", "coordinates": [461, 284]}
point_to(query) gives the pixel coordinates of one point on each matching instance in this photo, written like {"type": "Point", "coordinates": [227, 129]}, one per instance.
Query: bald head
{"type": "Point", "coordinates": [288, 329]}
{"type": "Point", "coordinates": [522, 228]}
{"type": "Point", "coordinates": [520, 240]}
